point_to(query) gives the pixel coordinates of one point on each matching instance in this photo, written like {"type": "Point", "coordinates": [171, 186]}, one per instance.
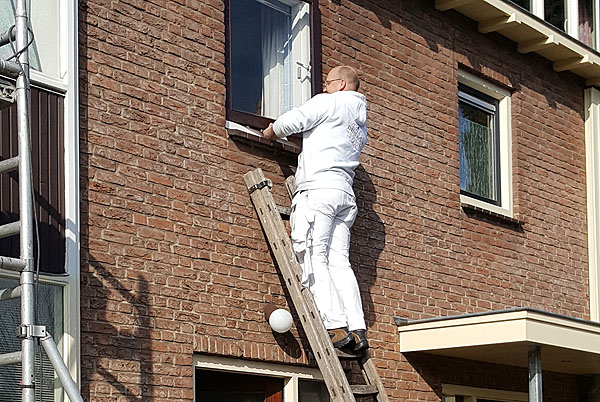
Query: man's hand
{"type": "Point", "coordinates": [269, 134]}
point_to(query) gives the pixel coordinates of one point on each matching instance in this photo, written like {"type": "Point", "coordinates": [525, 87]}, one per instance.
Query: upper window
{"type": "Point", "coordinates": [575, 17]}
{"type": "Point", "coordinates": [270, 51]}
{"type": "Point", "coordinates": [43, 50]}
{"type": "Point", "coordinates": [484, 145]}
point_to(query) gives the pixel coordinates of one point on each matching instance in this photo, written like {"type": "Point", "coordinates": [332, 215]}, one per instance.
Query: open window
{"type": "Point", "coordinates": [272, 48]}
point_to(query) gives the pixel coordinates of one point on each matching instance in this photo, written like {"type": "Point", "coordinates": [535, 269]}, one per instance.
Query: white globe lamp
{"type": "Point", "coordinates": [279, 319]}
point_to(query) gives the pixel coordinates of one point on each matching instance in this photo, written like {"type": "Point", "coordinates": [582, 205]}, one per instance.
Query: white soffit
{"type": "Point", "coordinates": [531, 34]}
{"type": "Point", "coordinates": [568, 345]}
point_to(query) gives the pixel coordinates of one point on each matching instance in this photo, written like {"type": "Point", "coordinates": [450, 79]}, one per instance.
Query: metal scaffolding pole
{"type": "Point", "coordinates": [25, 207]}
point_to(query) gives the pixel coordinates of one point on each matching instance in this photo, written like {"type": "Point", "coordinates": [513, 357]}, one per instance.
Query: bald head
{"type": "Point", "coordinates": [342, 78]}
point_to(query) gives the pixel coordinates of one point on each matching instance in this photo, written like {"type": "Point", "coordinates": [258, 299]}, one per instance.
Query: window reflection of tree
{"type": "Point", "coordinates": [476, 152]}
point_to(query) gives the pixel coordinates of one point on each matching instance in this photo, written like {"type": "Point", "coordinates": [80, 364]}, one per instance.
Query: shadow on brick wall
{"type": "Point", "coordinates": [368, 240]}
{"type": "Point", "coordinates": [122, 354]}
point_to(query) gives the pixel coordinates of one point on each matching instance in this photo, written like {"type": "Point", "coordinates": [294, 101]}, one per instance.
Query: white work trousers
{"type": "Point", "coordinates": [321, 220]}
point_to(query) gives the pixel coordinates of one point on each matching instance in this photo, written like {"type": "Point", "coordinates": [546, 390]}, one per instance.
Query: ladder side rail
{"type": "Point", "coordinates": [371, 376]}
{"type": "Point", "coordinates": [280, 244]}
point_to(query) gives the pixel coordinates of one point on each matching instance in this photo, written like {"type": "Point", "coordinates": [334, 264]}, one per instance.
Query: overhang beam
{"type": "Point", "coordinates": [498, 24]}
{"type": "Point", "coordinates": [537, 44]}
{"type": "Point", "coordinates": [444, 5]}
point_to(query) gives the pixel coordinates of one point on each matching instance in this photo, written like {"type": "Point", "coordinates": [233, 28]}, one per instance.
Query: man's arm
{"type": "Point", "coordinates": [269, 134]}
{"type": "Point", "coordinates": [303, 118]}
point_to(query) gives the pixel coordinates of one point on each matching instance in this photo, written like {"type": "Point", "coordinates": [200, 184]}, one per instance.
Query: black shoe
{"type": "Point", "coordinates": [340, 337]}
{"type": "Point", "coordinates": [360, 340]}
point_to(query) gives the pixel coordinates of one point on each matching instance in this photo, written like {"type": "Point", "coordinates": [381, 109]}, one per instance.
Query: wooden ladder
{"type": "Point", "coordinates": [328, 358]}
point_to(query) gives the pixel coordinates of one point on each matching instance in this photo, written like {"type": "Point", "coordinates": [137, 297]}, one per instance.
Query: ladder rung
{"type": "Point", "coordinates": [342, 354]}
{"type": "Point", "coordinates": [9, 165]}
{"type": "Point", "coordinates": [10, 229]}
{"type": "Point", "coordinates": [14, 264]}
{"type": "Point", "coordinates": [10, 358]}
{"type": "Point", "coordinates": [285, 212]}
{"type": "Point", "coordinates": [10, 293]}
{"type": "Point", "coordinates": [364, 389]}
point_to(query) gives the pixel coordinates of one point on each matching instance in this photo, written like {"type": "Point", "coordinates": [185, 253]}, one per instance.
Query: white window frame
{"type": "Point", "coordinates": [592, 145]}
{"type": "Point", "coordinates": [505, 144]}
{"type": "Point", "coordinates": [471, 394]}
{"type": "Point", "coordinates": [63, 78]}
{"type": "Point", "coordinates": [290, 374]}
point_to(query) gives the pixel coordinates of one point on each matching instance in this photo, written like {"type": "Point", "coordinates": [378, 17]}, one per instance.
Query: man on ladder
{"type": "Point", "coordinates": [333, 127]}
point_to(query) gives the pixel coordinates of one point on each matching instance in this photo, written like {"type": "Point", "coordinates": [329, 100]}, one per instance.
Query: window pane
{"type": "Point", "coordinates": [477, 151]}
{"type": "Point", "coordinates": [50, 310]}
{"type": "Point", "coordinates": [312, 391]}
{"type": "Point", "coordinates": [526, 4]}
{"type": "Point", "coordinates": [554, 13]}
{"type": "Point", "coordinates": [586, 22]}
{"type": "Point", "coordinates": [7, 19]}
{"type": "Point", "coordinates": [269, 45]}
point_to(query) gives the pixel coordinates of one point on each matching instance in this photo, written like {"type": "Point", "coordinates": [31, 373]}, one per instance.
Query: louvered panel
{"type": "Point", "coordinates": [48, 177]}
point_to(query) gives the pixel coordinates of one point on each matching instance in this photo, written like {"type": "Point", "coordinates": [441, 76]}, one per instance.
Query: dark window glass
{"type": "Point", "coordinates": [214, 386]}
{"type": "Point", "coordinates": [246, 57]}
{"type": "Point", "coordinates": [554, 13]}
{"type": "Point", "coordinates": [526, 4]}
{"type": "Point", "coordinates": [478, 145]}
{"type": "Point", "coordinates": [312, 391]}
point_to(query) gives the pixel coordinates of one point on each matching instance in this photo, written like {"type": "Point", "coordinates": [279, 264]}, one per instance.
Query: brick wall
{"type": "Point", "coordinates": [173, 258]}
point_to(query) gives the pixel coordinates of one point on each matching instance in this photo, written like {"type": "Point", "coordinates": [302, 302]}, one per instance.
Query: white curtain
{"type": "Point", "coordinates": [275, 26]}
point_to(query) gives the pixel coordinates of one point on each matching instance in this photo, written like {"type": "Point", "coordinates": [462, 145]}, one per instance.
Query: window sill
{"type": "Point", "coordinates": [486, 214]}
{"type": "Point", "coordinates": [237, 132]}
